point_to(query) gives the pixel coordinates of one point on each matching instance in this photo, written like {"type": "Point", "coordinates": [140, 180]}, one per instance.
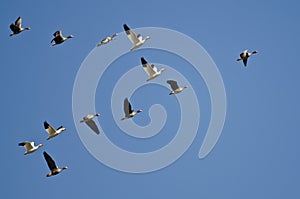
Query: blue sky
{"type": "Point", "coordinates": [257, 153]}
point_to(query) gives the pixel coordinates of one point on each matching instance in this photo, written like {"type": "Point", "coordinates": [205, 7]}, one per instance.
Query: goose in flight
{"type": "Point", "coordinates": [151, 70]}
{"type": "Point", "coordinates": [136, 40]}
{"type": "Point", "coordinates": [245, 55]}
{"type": "Point", "coordinates": [129, 113]}
{"type": "Point", "coordinates": [29, 146]}
{"type": "Point", "coordinates": [90, 122]}
{"type": "Point", "coordinates": [59, 38]}
{"type": "Point", "coordinates": [54, 170]}
{"type": "Point", "coordinates": [16, 27]}
{"type": "Point", "coordinates": [175, 88]}
{"type": "Point", "coordinates": [107, 39]}
{"type": "Point", "coordinates": [51, 131]}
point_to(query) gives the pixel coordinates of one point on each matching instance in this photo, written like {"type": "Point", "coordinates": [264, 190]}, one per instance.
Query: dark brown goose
{"type": "Point", "coordinates": [16, 27]}
{"type": "Point", "coordinates": [59, 38]}
{"type": "Point", "coordinates": [129, 112]}
{"type": "Point", "coordinates": [245, 55]}
{"type": "Point", "coordinates": [54, 170]}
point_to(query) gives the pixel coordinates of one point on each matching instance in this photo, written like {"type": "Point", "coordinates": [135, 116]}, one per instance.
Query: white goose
{"type": "Point", "coordinates": [245, 55]}
{"type": "Point", "coordinates": [51, 131]}
{"type": "Point", "coordinates": [90, 122]}
{"type": "Point", "coordinates": [16, 28]}
{"type": "Point", "coordinates": [151, 70]}
{"type": "Point", "coordinates": [129, 113]}
{"type": "Point", "coordinates": [136, 40]}
{"type": "Point", "coordinates": [107, 39]}
{"type": "Point", "coordinates": [29, 146]}
{"type": "Point", "coordinates": [54, 170]}
{"type": "Point", "coordinates": [175, 88]}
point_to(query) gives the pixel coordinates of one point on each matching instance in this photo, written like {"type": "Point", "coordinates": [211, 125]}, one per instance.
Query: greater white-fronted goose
{"type": "Point", "coordinates": [245, 55]}
{"type": "Point", "coordinates": [16, 27]}
{"type": "Point", "coordinates": [151, 70]}
{"type": "Point", "coordinates": [129, 112]}
{"type": "Point", "coordinates": [107, 39]}
{"type": "Point", "coordinates": [29, 146]}
{"type": "Point", "coordinates": [90, 122]}
{"type": "Point", "coordinates": [54, 170]}
{"type": "Point", "coordinates": [59, 38]}
{"type": "Point", "coordinates": [175, 88]}
{"type": "Point", "coordinates": [51, 131]}
{"type": "Point", "coordinates": [136, 40]}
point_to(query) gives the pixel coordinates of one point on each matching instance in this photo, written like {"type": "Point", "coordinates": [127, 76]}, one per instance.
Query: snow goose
{"type": "Point", "coordinates": [59, 38]}
{"type": "Point", "coordinates": [245, 55]}
{"type": "Point", "coordinates": [107, 39]}
{"type": "Point", "coordinates": [129, 113]}
{"type": "Point", "coordinates": [90, 122]}
{"type": "Point", "coordinates": [16, 27]}
{"type": "Point", "coordinates": [54, 170]}
{"type": "Point", "coordinates": [151, 70]}
{"type": "Point", "coordinates": [51, 131]}
{"type": "Point", "coordinates": [136, 40]}
{"type": "Point", "coordinates": [29, 146]}
{"type": "Point", "coordinates": [175, 88]}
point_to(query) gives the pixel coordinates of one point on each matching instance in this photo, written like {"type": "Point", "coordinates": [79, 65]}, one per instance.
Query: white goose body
{"type": "Point", "coordinates": [129, 112]}
{"type": "Point", "coordinates": [51, 131]}
{"type": "Point", "coordinates": [136, 40]}
{"type": "Point", "coordinates": [89, 121]}
{"type": "Point", "coordinates": [175, 88]}
{"type": "Point", "coordinates": [151, 70]}
{"type": "Point", "coordinates": [245, 55]}
{"type": "Point", "coordinates": [29, 146]}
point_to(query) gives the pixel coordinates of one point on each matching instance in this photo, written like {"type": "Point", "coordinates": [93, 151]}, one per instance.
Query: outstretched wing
{"type": "Point", "coordinates": [131, 35]}
{"type": "Point", "coordinates": [57, 33]}
{"type": "Point", "coordinates": [150, 69]}
{"type": "Point", "coordinates": [18, 22]}
{"type": "Point", "coordinates": [50, 130]}
{"type": "Point", "coordinates": [127, 107]}
{"type": "Point", "coordinates": [245, 61]}
{"type": "Point", "coordinates": [27, 145]}
{"type": "Point", "coordinates": [50, 162]}
{"type": "Point", "coordinates": [173, 84]}
{"type": "Point", "coordinates": [93, 126]}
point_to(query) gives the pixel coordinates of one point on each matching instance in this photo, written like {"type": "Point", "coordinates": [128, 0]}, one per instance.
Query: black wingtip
{"type": "Point", "coordinates": [143, 60]}
{"type": "Point", "coordinates": [126, 28]}
{"type": "Point", "coordinates": [46, 125]}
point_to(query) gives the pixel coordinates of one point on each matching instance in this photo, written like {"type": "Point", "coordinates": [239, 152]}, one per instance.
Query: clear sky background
{"type": "Point", "coordinates": [257, 155]}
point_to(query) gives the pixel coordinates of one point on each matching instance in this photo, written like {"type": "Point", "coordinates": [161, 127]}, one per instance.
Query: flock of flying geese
{"type": "Point", "coordinates": [151, 70]}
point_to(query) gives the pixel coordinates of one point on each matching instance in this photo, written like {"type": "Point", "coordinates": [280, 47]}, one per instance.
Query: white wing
{"type": "Point", "coordinates": [28, 145]}
{"type": "Point", "coordinates": [149, 69]}
{"type": "Point", "coordinates": [131, 35]}
{"type": "Point", "coordinates": [49, 129]}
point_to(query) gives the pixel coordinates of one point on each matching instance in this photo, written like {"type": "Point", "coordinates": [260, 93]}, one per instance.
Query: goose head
{"type": "Point", "coordinates": [97, 114]}
{"type": "Point", "coordinates": [146, 38]}
{"type": "Point", "coordinates": [185, 87]}
{"type": "Point", "coordinates": [254, 52]}
{"type": "Point", "coordinates": [39, 145]}
{"type": "Point", "coordinates": [138, 111]}
{"type": "Point", "coordinates": [70, 36]}
{"type": "Point", "coordinates": [63, 129]}
{"type": "Point", "coordinates": [65, 167]}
